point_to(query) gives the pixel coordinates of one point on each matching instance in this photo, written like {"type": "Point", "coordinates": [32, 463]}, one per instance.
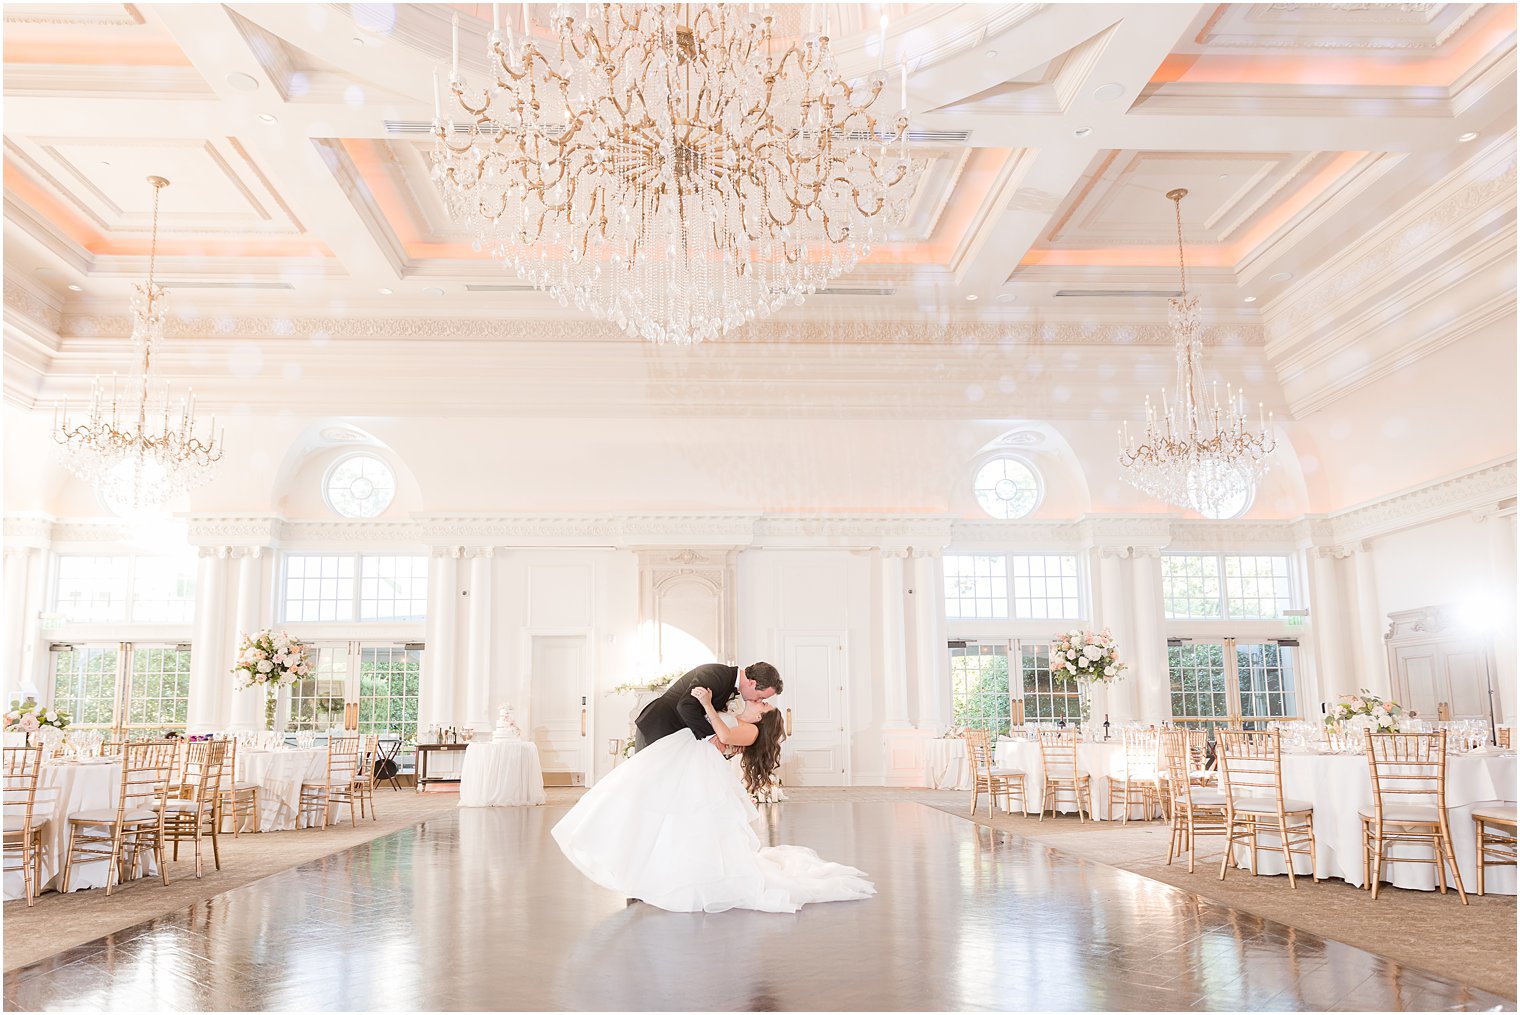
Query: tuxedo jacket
{"type": "Point", "coordinates": [676, 709]}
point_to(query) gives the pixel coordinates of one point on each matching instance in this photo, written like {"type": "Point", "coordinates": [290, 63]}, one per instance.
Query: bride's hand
{"type": "Point", "coordinates": [702, 694]}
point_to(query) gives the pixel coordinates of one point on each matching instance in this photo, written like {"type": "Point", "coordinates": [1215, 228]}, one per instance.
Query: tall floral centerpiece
{"type": "Point", "coordinates": [1085, 658]}
{"type": "Point", "coordinates": [29, 717]}
{"type": "Point", "coordinates": [1365, 711]}
{"type": "Point", "coordinates": [273, 659]}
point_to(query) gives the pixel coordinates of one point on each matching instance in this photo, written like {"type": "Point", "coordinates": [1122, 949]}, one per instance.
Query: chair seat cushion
{"type": "Point", "coordinates": [1207, 797]}
{"type": "Point", "coordinates": [180, 806]}
{"type": "Point", "coordinates": [1003, 773]}
{"type": "Point", "coordinates": [241, 787]}
{"type": "Point", "coordinates": [1495, 812]}
{"type": "Point", "coordinates": [13, 825]}
{"type": "Point", "coordinates": [1405, 814]}
{"type": "Point", "coordinates": [1268, 805]}
{"type": "Point", "coordinates": [107, 816]}
{"type": "Point", "coordinates": [326, 785]}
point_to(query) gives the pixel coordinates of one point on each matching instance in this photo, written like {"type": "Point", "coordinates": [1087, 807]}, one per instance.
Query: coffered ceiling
{"type": "Point", "coordinates": [295, 137]}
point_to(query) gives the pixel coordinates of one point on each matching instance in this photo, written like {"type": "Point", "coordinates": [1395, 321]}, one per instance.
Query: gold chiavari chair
{"type": "Point", "coordinates": [1250, 771]}
{"type": "Point", "coordinates": [1199, 774]}
{"type": "Point", "coordinates": [1408, 806]}
{"type": "Point", "coordinates": [986, 775]}
{"type": "Point", "coordinates": [136, 822]}
{"type": "Point", "coordinates": [1137, 786]}
{"type": "Point", "coordinates": [236, 800]}
{"type": "Point", "coordinates": [364, 777]}
{"type": "Point", "coordinates": [1502, 737]}
{"type": "Point", "coordinates": [191, 811]}
{"type": "Point", "coordinates": [337, 787]}
{"type": "Point", "coordinates": [23, 833]}
{"type": "Point", "coordinates": [1194, 810]}
{"type": "Point", "coordinates": [1495, 825]}
{"type": "Point", "coordinates": [1058, 761]}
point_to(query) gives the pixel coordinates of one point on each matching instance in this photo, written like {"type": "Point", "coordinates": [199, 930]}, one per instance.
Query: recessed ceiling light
{"type": "Point", "coordinates": [973, 297]}
{"type": "Point", "coordinates": [105, 163]}
{"type": "Point", "coordinates": [269, 118]}
{"type": "Point", "coordinates": [1470, 135]}
{"type": "Point", "coordinates": [1082, 131]}
{"type": "Point", "coordinates": [358, 41]}
{"type": "Point", "coordinates": [75, 288]}
{"type": "Point", "coordinates": [1108, 92]}
{"type": "Point", "coordinates": [992, 54]}
{"type": "Point", "coordinates": [1007, 298]}
{"type": "Point", "coordinates": [1281, 276]}
{"type": "Point", "coordinates": [1224, 176]}
{"type": "Point", "coordinates": [432, 290]}
{"type": "Point", "coordinates": [243, 82]}
{"type": "Point", "coordinates": [1250, 299]}
{"type": "Point", "coordinates": [386, 292]}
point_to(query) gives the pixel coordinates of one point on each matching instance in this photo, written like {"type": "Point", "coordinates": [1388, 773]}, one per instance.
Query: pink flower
{"type": "Point", "coordinates": [29, 722]}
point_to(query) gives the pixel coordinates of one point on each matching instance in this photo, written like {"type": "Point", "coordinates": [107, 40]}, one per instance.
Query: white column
{"type": "Point", "coordinates": [894, 646]}
{"type": "Point", "coordinates": [1501, 536]}
{"type": "Point", "coordinates": [1372, 653]}
{"type": "Point", "coordinates": [211, 682]}
{"type": "Point", "coordinates": [36, 660]}
{"type": "Point", "coordinates": [440, 666]}
{"type": "Point", "coordinates": [1330, 613]}
{"type": "Point", "coordinates": [933, 659]}
{"type": "Point", "coordinates": [478, 690]}
{"type": "Point", "coordinates": [1123, 700]}
{"type": "Point", "coordinates": [12, 663]}
{"type": "Point", "coordinates": [247, 706]}
{"type": "Point", "coordinates": [1148, 667]}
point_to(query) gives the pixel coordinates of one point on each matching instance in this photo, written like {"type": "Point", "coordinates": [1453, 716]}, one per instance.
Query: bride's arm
{"type": "Point", "coordinates": [741, 735]}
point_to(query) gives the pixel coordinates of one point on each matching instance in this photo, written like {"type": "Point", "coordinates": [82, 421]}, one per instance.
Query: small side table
{"type": "Point", "coordinates": [423, 750]}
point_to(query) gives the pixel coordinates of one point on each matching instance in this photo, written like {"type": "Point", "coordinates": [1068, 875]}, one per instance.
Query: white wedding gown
{"type": "Point", "coordinates": [671, 827]}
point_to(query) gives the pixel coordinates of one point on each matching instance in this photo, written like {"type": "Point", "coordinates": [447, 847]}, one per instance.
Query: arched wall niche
{"type": "Point", "coordinates": [297, 488]}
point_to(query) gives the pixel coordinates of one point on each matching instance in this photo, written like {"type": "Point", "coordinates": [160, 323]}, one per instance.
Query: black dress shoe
{"type": "Point", "coordinates": [631, 902]}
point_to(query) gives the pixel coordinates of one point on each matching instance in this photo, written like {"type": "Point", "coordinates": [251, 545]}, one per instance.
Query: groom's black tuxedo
{"type": "Point", "coordinates": [677, 709]}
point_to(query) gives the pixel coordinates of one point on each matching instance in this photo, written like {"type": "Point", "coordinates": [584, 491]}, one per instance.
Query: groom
{"type": "Point", "coordinates": [676, 709]}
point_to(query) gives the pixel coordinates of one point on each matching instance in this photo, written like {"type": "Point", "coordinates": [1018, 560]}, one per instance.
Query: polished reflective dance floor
{"type": "Point", "coordinates": [478, 910]}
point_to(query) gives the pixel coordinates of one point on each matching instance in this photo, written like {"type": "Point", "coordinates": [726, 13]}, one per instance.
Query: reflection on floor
{"type": "Point", "coordinates": [478, 910]}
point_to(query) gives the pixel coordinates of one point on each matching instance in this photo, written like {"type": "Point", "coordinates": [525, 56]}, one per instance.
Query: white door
{"type": "Point", "coordinates": [1452, 673]}
{"type": "Point", "coordinates": [557, 707]}
{"type": "Point", "coordinates": [812, 668]}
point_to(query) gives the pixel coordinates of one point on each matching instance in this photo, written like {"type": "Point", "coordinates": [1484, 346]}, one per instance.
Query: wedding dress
{"type": "Point", "coordinates": [671, 827]}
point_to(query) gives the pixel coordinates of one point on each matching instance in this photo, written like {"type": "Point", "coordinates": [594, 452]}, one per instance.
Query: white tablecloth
{"type": "Point", "coordinates": [501, 773]}
{"type": "Point", "coordinates": [1339, 785]}
{"type": "Point", "coordinates": [1097, 760]}
{"type": "Point", "coordinates": [64, 789]}
{"type": "Point", "coordinates": [279, 775]}
{"type": "Point", "coordinates": [945, 765]}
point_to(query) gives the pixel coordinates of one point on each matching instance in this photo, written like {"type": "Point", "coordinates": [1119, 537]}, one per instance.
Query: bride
{"type": "Point", "coordinates": [671, 826]}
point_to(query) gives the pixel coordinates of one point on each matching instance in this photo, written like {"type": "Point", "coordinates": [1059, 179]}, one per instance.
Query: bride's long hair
{"type": "Point", "coordinates": [763, 756]}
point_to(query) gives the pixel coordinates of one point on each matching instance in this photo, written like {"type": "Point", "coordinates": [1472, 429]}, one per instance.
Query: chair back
{"type": "Point", "coordinates": [22, 767]}
{"type": "Point", "coordinates": [1250, 763]}
{"type": "Point", "coordinates": [368, 746]}
{"type": "Point", "coordinates": [1058, 754]}
{"type": "Point", "coordinates": [1140, 754]}
{"type": "Point", "coordinates": [205, 760]}
{"type": "Point", "coordinates": [342, 759]}
{"type": "Point", "coordinates": [1344, 741]}
{"type": "Point", "coordinates": [1408, 770]}
{"type": "Point", "coordinates": [979, 750]}
{"type": "Point", "coordinates": [148, 770]}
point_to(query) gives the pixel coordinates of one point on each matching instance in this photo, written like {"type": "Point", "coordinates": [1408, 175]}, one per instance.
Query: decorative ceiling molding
{"type": "Point", "coordinates": [74, 15]}
{"type": "Point", "coordinates": [24, 301]}
{"type": "Point", "coordinates": [847, 332]}
{"type": "Point", "coordinates": [1462, 494]}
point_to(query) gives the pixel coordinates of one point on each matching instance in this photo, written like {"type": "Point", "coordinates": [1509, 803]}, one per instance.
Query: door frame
{"type": "Point", "coordinates": [587, 691]}
{"type": "Point", "coordinates": [847, 730]}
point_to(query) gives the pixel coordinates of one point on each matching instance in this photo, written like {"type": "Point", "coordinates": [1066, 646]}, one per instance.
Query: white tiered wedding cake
{"type": "Point", "coordinates": [506, 725]}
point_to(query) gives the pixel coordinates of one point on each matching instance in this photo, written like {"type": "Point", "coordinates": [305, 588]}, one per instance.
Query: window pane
{"type": "Point", "coordinates": [159, 694]}
{"type": "Point", "coordinates": [84, 685]}
{"type": "Point", "coordinates": [163, 590]}
{"type": "Point", "coordinates": [391, 588]}
{"type": "Point", "coordinates": [92, 590]}
{"type": "Point", "coordinates": [1046, 699]}
{"type": "Point", "coordinates": [976, 586]}
{"type": "Point", "coordinates": [1050, 590]}
{"type": "Point", "coordinates": [390, 683]}
{"type": "Point", "coordinates": [979, 687]}
{"type": "Point", "coordinates": [1190, 586]}
{"type": "Point", "coordinates": [316, 700]}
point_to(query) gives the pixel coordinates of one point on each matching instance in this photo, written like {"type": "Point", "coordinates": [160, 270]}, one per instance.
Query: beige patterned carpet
{"type": "Point", "coordinates": [1474, 944]}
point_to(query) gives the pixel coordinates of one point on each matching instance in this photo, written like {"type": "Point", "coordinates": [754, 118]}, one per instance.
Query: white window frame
{"type": "Point", "coordinates": [356, 598]}
{"type": "Point", "coordinates": [1295, 597]}
{"type": "Point", "coordinates": [129, 618]}
{"type": "Point", "coordinates": [1010, 604]}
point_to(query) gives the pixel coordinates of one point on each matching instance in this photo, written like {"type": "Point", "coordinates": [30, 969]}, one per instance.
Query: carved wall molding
{"type": "Point", "coordinates": [24, 301]}
{"type": "Point", "coordinates": [1457, 495]}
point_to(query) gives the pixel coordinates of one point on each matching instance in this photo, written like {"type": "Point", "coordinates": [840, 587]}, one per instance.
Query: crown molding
{"type": "Point", "coordinates": [1473, 491]}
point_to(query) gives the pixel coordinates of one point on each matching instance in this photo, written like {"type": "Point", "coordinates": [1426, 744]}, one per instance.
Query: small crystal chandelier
{"type": "Point", "coordinates": [1198, 452]}
{"type": "Point", "coordinates": [130, 447]}
{"type": "Point", "coordinates": [678, 169]}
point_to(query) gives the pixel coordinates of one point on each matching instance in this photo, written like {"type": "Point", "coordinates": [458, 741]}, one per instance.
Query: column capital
{"type": "Point", "coordinates": [245, 552]}
{"type": "Point", "coordinates": [478, 552]}
{"type": "Point", "coordinates": [446, 551]}
{"type": "Point", "coordinates": [216, 552]}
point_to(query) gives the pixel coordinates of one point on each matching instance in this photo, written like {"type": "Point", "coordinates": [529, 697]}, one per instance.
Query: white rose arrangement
{"type": "Point", "coordinates": [271, 658]}
{"type": "Point", "coordinates": [1085, 657]}
{"type": "Point", "coordinates": [30, 717]}
{"type": "Point", "coordinates": [1365, 711]}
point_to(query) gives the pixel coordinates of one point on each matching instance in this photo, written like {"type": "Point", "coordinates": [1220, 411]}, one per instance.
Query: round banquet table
{"type": "Point", "coordinates": [501, 773]}
{"type": "Point", "coordinates": [1097, 760]}
{"type": "Point", "coordinates": [1339, 785]}
{"type": "Point", "coordinates": [279, 775]}
{"type": "Point", "coordinates": [64, 788]}
{"type": "Point", "coordinates": [945, 764]}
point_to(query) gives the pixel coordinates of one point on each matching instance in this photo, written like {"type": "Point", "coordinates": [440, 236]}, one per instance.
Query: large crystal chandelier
{"type": "Point", "coordinates": [132, 447]}
{"type": "Point", "coordinates": [1197, 451]}
{"type": "Point", "coordinates": [676, 168]}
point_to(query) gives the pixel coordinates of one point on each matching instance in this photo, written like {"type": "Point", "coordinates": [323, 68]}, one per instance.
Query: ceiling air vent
{"type": "Point", "coordinates": [1129, 294]}
{"type": "Point", "coordinates": [424, 128]}
{"type": "Point", "coordinates": [227, 285]}
{"type": "Point", "coordinates": [856, 292]}
{"type": "Point", "coordinates": [471, 288]}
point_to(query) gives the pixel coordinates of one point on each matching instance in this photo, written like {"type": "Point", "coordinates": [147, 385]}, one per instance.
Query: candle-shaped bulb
{"type": "Point", "coordinates": [455, 64]}
{"type": "Point", "coordinates": [437, 100]}
{"type": "Point", "coordinates": [904, 87]}
{"type": "Point", "coordinates": [881, 56]}
{"type": "Point", "coordinates": [496, 17]}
